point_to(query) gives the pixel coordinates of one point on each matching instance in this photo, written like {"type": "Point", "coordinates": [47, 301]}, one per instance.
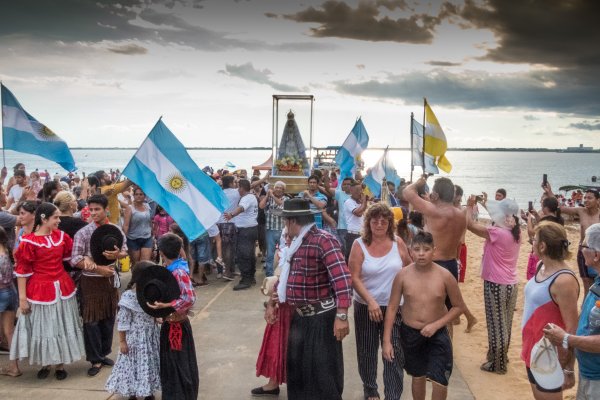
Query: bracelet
{"type": "Point", "coordinates": [568, 371]}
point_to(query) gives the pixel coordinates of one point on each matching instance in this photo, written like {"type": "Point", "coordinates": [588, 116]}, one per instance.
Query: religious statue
{"type": "Point", "coordinates": [291, 155]}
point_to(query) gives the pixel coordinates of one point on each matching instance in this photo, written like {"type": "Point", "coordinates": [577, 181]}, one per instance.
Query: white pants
{"type": "Point", "coordinates": [588, 389]}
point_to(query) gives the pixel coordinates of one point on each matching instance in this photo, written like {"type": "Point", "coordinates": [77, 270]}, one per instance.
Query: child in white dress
{"type": "Point", "coordinates": [136, 372]}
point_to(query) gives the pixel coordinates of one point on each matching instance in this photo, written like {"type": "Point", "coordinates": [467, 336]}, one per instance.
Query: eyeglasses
{"type": "Point", "coordinates": [380, 221]}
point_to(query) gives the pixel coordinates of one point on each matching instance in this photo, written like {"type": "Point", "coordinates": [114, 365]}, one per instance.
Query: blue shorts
{"type": "Point", "coordinates": [8, 299]}
{"type": "Point", "coordinates": [138, 244]}
{"type": "Point", "coordinates": [201, 249]}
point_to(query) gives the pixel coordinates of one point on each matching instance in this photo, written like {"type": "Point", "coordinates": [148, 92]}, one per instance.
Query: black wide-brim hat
{"type": "Point", "coordinates": [104, 238]}
{"type": "Point", "coordinates": [156, 283]}
{"type": "Point", "coordinates": [296, 207]}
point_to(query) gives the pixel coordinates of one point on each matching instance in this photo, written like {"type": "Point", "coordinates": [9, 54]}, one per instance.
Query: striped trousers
{"type": "Point", "coordinates": [500, 302]}
{"type": "Point", "coordinates": [369, 335]}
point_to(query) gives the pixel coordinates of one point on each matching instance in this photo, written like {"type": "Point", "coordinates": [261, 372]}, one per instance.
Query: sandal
{"type": "Point", "coordinates": [8, 372]}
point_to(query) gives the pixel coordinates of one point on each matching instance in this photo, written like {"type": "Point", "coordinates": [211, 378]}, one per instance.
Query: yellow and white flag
{"type": "Point", "coordinates": [435, 141]}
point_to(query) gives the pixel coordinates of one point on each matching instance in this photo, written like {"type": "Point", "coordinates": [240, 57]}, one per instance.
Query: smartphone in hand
{"type": "Point", "coordinates": [530, 207]}
{"type": "Point", "coordinates": [544, 180]}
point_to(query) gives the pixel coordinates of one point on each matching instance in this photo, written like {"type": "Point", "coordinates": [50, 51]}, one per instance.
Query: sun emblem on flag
{"type": "Point", "coordinates": [47, 132]}
{"type": "Point", "coordinates": [176, 183]}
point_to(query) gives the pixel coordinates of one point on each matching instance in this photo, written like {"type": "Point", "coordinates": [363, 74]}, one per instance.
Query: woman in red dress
{"type": "Point", "coordinates": [272, 360]}
{"type": "Point", "coordinates": [49, 330]}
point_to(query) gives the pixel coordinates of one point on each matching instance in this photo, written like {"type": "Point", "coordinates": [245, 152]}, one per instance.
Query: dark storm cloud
{"type": "Point", "coordinates": [586, 125]}
{"type": "Point", "coordinates": [128, 49]}
{"type": "Point", "coordinates": [72, 21]}
{"type": "Point", "coordinates": [337, 19]}
{"type": "Point", "coordinates": [551, 32]}
{"type": "Point", "coordinates": [480, 90]}
{"type": "Point", "coordinates": [249, 73]}
{"type": "Point", "coordinates": [443, 63]}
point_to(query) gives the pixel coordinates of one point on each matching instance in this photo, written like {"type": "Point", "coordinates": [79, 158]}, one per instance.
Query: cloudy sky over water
{"type": "Point", "coordinates": [498, 73]}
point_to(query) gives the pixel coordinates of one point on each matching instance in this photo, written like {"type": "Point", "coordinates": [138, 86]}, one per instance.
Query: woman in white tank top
{"type": "Point", "coordinates": [375, 259]}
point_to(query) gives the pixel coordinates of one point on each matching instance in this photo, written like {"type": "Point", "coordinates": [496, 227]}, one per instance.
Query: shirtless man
{"type": "Point", "coordinates": [446, 223]}
{"type": "Point", "coordinates": [588, 215]}
{"type": "Point", "coordinates": [423, 330]}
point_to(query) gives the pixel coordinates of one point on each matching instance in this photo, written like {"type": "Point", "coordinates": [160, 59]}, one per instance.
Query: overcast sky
{"type": "Point", "coordinates": [497, 73]}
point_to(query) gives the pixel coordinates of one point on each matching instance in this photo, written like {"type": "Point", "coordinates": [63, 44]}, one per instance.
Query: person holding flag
{"type": "Point", "coordinates": [348, 155]}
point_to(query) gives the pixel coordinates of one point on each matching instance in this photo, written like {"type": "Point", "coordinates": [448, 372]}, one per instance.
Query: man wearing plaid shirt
{"type": "Point", "coordinates": [320, 288]}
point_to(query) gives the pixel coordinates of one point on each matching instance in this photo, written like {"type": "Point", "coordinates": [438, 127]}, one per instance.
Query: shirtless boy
{"type": "Point", "coordinates": [446, 223]}
{"type": "Point", "coordinates": [423, 333]}
{"type": "Point", "coordinates": [588, 215]}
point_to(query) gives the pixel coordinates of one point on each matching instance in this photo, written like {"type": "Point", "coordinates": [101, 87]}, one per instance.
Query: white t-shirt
{"type": "Point", "coordinates": [247, 218]}
{"type": "Point", "coordinates": [353, 223]}
{"type": "Point", "coordinates": [233, 196]}
{"type": "Point", "coordinates": [15, 192]}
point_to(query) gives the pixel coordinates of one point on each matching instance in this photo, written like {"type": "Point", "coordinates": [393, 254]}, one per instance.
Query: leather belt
{"type": "Point", "coordinates": [320, 307]}
{"type": "Point", "coordinates": [354, 232]}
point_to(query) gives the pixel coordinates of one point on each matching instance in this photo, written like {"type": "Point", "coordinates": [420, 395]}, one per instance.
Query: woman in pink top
{"type": "Point", "coordinates": [499, 274]}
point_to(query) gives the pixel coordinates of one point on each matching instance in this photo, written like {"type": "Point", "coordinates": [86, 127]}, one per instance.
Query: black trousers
{"type": "Point", "coordinates": [350, 238]}
{"type": "Point", "coordinates": [97, 337]}
{"type": "Point", "coordinates": [315, 361]}
{"type": "Point", "coordinates": [246, 252]}
{"type": "Point", "coordinates": [178, 368]}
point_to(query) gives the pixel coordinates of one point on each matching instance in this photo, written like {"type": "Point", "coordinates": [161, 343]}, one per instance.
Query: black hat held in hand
{"type": "Point", "coordinates": [105, 238]}
{"type": "Point", "coordinates": [156, 284]}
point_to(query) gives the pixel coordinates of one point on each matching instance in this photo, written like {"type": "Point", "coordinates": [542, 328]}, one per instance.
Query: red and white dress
{"type": "Point", "coordinates": [52, 332]}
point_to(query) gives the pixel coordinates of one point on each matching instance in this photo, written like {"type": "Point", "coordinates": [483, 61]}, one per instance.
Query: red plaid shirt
{"type": "Point", "coordinates": [187, 298]}
{"type": "Point", "coordinates": [318, 271]}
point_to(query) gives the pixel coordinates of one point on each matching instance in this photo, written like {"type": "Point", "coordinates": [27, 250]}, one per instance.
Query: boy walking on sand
{"type": "Point", "coordinates": [423, 286]}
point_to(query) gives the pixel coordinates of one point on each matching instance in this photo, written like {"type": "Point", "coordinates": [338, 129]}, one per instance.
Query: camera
{"type": "Point", "coordinates": [479, 198]}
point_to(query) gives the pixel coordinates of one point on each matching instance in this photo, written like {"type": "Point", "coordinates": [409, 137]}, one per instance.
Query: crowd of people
{"type": "Point", "coordinates": [398, 262]}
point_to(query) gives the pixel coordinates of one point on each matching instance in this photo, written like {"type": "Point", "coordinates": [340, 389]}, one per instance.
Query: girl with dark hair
{"type": "Point", "coordinates": [137, 226]}
{"type": "Point", "coordinates": [8, 301]}
{"type": "Point", "coordinates": [26, 217]}
{"type": "Point", "coordinates": [137, 369]}
{"type": "Point", "coordinates": [499, 274]}
{"type": "Point", "coordinates": [49, 330]}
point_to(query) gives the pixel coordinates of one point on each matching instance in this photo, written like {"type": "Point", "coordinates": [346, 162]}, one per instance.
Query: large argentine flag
{"type": "Point", "coordinates": [21, 132]}
{"type": "Point", "coordinates": [166, 173]}
{"type": "Point", "coordinates": [347, 156]}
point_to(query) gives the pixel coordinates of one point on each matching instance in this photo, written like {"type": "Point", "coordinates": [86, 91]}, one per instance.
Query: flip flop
{"type": "Point", "coordinates": [7, 372]}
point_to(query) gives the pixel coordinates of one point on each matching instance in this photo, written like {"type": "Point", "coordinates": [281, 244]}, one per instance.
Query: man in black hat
{"type": "Point", "coordinates": [99, 282]}
{"type": "Point", "coordinates": [319, 285]}
{"type": "Point", "coordinates": [178, 367]}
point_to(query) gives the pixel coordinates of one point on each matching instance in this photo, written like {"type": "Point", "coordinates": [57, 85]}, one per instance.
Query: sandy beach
{"type": "Point", "coordinates": [470, 348]}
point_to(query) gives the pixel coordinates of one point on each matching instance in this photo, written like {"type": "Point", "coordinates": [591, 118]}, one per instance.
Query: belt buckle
{"type": "Point", "coordinates": [306, 310]}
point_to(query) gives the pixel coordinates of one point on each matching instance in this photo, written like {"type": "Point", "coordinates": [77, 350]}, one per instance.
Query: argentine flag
{"type": "Point", "coordinates": [383, 168]}
{"type": "Point", "coordinates": [23, 133]}
{"type": "Point", "coordinates": [166, 173]}
{"type": "Point", "coordinates": [347, 156]}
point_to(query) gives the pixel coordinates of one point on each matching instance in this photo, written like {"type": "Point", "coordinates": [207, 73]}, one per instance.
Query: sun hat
{"type": "Point", "coordinates": [105, 238]}
{"type": "Point", "coordinates": [544, 365]}
{"type": "Point", "coordinates": [295, 208]}
{"type": "Point", "coordinates": [156, 283]}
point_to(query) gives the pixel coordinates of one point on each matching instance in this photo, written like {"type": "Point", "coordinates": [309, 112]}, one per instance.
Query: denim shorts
{"type": "Point", "coordinates": [201, 249]}
{"type": "Point", "coordinates": [8, 299]}
{"type": "Point", "coordinates": [138, 244]}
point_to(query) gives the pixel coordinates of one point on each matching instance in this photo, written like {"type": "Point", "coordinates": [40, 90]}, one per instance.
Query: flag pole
{"type": "Point", "coordinates": [3, 155]}
{"type": "Point", "coordinates": [424, 136]}
{"type": "Point", "coordinates": [412, 153]}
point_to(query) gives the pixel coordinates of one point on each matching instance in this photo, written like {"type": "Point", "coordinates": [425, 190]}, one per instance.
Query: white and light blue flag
{"type": "Point", "coordinates": [348, 155]}
{"type": "Point", "coordinates": [383, 168]}
{"type": "Point", "coordinates": [166, 173]}
{"type": "Point", "coordinates": [23, 133]}
{"type": "Point", "coordinates": [417, 151]}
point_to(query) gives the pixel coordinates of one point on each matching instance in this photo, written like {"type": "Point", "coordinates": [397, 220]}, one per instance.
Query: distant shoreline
{"type": "Point", "coordinates": [493, 149]}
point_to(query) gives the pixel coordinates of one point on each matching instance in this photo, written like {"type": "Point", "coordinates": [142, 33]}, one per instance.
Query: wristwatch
{"type": "Point", "coordinates": [342, 316]}
{"type": "Point", "coordinates": [565, 342]}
